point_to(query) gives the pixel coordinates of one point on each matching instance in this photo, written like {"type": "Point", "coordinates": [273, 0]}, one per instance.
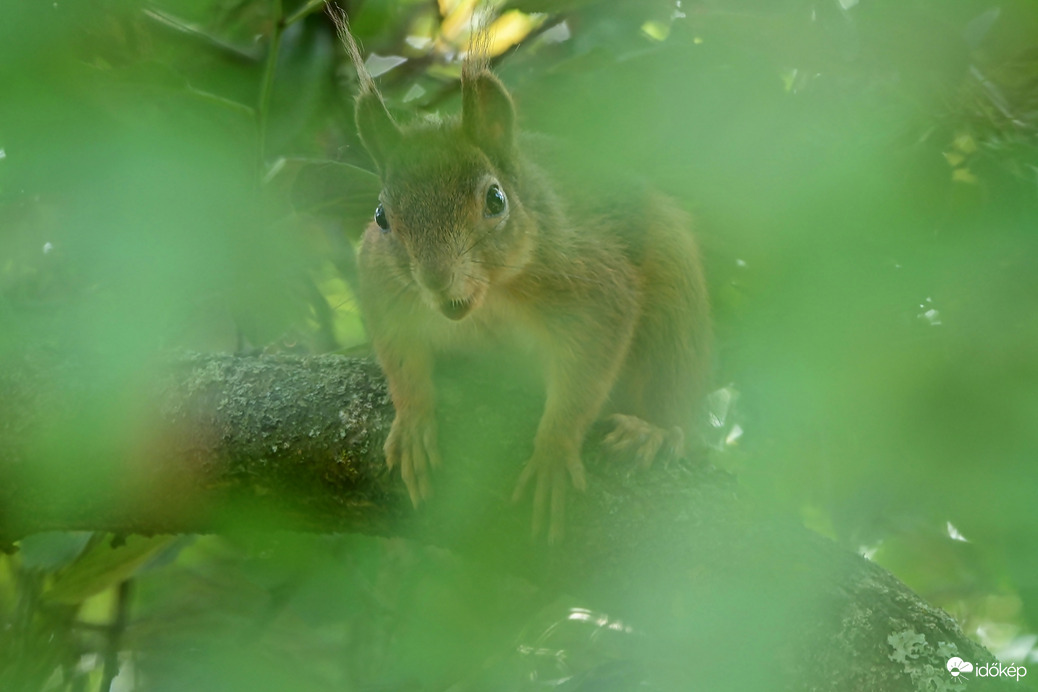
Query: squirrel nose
{"type": "Point", "coordinates": [436, 277]}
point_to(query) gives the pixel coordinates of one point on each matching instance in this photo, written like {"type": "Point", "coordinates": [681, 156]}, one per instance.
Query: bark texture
{"type": "Point", "coordinates": [732, 597]}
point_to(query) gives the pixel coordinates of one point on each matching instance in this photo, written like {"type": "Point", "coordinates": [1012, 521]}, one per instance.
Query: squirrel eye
{"type": "Point", "coordinates": [380, 218]}
{"type": "Point", "coordinates": [495, 201]}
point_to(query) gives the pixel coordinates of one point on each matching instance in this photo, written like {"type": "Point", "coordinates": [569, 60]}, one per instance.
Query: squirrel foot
{"type": "Point", "coordinates": [549, 496]}
{"type": "Point", "coordinates": [412, 445]}
{"type": "Point", "coordinates": [642, 441]}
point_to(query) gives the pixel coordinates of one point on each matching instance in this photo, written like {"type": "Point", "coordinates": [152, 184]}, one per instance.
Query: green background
{"type": "Point", "coordinates": [865, 181]}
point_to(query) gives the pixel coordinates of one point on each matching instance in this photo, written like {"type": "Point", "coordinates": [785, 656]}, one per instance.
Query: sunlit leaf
{"type": "Point", "coordinates": [457, 19]}
{"type": "Point", "coordinates": [964, 175]}
{"type": "Point", "coordinates": [509, 29]}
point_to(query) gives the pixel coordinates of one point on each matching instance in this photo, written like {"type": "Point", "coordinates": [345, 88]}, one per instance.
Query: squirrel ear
{"type": "Point", "coordinates": [377, 130]}
{"type": "Point", "coordinates": [487, 114]}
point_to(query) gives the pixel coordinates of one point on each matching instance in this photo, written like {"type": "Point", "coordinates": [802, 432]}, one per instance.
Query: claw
{"type": "Point", "coordinates": [552, 476]}
{"type": "Point", "coordinates": [557, 527]}
{"type": "Point", "coordinates": [412, 445]}
{"type": "Point", "coordinates": [576, 474]}
{"type": "Point", "coordinates": [641, 441]}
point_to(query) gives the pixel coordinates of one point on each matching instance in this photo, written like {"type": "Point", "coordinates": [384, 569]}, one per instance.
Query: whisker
{"type": "Point", "coordinates": [477, 241]}
{"type": "Point", "coordinates": [562, 275]}
{"type": "Point", "coordinates": [399, 293]}
{"type": "Point", "coordinates": [479, 280]}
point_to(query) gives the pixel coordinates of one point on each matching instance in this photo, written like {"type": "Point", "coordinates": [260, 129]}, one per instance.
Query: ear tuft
{"type": "Point", "coordinates": [487, 115]}
{"type": "Point", "coordinates": [377, 130]}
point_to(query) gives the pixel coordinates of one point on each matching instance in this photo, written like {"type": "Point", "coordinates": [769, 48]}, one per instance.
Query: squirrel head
{"type": "Point", "coordinates": [450, 211]}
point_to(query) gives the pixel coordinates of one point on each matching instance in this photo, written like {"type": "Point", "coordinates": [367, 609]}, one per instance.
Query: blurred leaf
{"type": "Point", "coordinates": [51, 550]}
{"type": "Point", "coordinates": [329, 188]}
{"type": "Point", "coordinates": [977, 29]}
{"type": "Point", "coordinates": [302, 89]}
{"type": "Point", "coordinates": [174, 23]}
{"type": "Point", "coordinates": [864, 180]}
{"type": "Point", "coordinates": [103, 567]}
{"type": "Point", "coordinates": [509, 29]}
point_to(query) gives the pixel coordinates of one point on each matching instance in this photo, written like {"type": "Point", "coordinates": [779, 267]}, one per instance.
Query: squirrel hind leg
{"type": "Point", "coordinates": [636, 439]}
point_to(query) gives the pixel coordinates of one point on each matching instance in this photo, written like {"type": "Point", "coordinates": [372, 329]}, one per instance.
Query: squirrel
{"type": "Point", "coordinates": [471, 241]}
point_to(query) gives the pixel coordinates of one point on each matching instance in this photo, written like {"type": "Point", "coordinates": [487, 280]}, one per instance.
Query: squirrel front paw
{"type": "Point", "coordinates": [412, 445]}
{"type": "Point", "coordinates": [549, 470]}
{"type": "Point", "coordinates": [642, 441]}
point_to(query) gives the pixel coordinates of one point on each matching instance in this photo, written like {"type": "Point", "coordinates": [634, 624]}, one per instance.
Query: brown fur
{"type": "Point", "coordinates": [612, 300]}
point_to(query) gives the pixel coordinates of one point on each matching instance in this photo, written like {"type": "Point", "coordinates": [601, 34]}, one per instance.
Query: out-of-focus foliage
{"type": "Point", "coordinates": [865, 172]}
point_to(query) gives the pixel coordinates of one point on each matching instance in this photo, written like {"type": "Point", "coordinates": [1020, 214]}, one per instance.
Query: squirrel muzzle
{"type": "Point", "coordinates": [436, 277]}
{"type": "Point", "coordinates": [447, 288]}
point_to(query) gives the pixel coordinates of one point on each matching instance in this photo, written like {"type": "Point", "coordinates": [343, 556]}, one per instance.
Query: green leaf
{"type": "Point", "coordinates": [102, 567]}
{"type": "Point", "coordinates": [51, 550]}
{"type": "Point", "coordinates": [330, 189]}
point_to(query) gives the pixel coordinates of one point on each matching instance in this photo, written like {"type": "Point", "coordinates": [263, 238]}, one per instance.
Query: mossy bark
{"type": "Point", "coordinates": [732, 597]}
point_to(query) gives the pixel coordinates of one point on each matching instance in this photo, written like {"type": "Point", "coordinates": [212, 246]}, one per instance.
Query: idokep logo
{"type": "Point", "coordinates": [957, 667]}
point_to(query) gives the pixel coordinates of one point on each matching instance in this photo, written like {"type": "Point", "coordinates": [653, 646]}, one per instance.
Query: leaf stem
{"type": "Point", "coordinates": [304, 11]}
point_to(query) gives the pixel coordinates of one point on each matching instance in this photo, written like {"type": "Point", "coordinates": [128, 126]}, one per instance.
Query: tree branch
{"type": "Point", "coordinates": [284, 442]}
